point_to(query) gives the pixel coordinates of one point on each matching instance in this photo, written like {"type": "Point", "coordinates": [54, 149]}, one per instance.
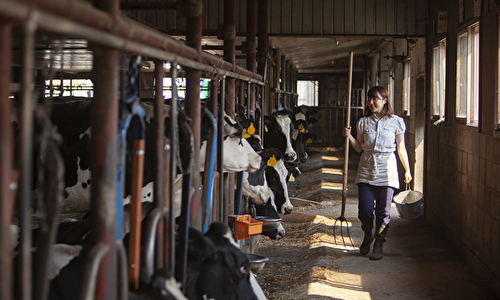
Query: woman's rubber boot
{"type": "Point", "coordinates": [368, 239]}
{"type": "Point", "coordinates": [379, 242]}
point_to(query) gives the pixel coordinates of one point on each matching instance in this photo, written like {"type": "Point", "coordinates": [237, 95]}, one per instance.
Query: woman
{"type": "Point", "coordinates": [380, 133]}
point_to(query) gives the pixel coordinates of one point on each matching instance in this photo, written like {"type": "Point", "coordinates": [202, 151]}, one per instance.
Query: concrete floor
{"type": "Point", "coordinates": [418, 262]}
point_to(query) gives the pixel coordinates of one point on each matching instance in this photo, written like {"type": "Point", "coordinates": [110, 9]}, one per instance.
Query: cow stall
{"type": "Point", "coordinates": [37, 38]}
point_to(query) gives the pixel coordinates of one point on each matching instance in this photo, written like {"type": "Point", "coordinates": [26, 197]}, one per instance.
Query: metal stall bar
{"type": "Point", "coordinates": [26, 157]}
{"type": "Point", "coordinates": [213, 103]}
{"type": "Point", "coordinates": [209, 169]}
{"type": "Point", "coordinates": [223, 215]}
{"type": "Point", "coordinates": [161, 245]}
{"type": "Point", "coordinates": [131, 30]}
{"type": "Point", "coordinates": [251, 49]}
{"type": "Point", "coordinates": [103, 160]}
{"type": "Point", "coordinates": [211, 64]}
{"type": "Point", "coordinates": [173, 167]}
{"type": "Point", "coordinates": [263, 42]}
{"type": "Point", "coordinates": [193, 104]}
{"type": "Point", "coordinates": [6, 159]}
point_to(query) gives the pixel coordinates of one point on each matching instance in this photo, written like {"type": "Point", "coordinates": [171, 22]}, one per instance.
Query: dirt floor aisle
{"type": "Point", "coordinates": [310, 263]}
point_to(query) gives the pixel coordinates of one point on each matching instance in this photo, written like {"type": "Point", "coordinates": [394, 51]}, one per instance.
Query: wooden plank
{"type": "Point", "coordinates": [391, 17]}
{"type": "Point", "coordinates": [412, 22]}
{"type": "Point", "coordinates": [161, 21]}
{"type": "Point", "coordinates": [275, 17]}
{"type": "Point", "coordinates": [241, 16]}
{"type": "Point", "coordinates": [286, 16]}
{"type": "Point", "coordinates": [297, 16]}
{"type": "Point", "coordinates": [328, 17]}
{"type": "Point", "coordinates": [380, 21]}
{"type": "Point", "coordinates": [307, 17]}
{"type": "Point", "coordinates": [339, 17]}
{"type": "Point", "coordinates": [360, 17]}
{"type": "Point", "coordinates": [349, 17]}
{"type": "Point", "coordinates": [317, 16]}
{"type": "Point", "coordinates": [401, 18]}
{"type": "Point", "coordinates": [421, 15]}
{"type": "Point", "coordinates": [370, 17]}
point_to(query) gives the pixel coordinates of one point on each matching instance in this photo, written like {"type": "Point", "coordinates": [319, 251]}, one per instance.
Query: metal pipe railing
{"type": "Point", "coordinates": [6, 158]}
{"type": "Point", "coordinates": [131, 30]}
{"type": "Point", "coordinates": [20, 12]}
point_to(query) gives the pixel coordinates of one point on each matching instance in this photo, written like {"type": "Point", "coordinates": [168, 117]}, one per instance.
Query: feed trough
{"type": "Point", "coordinates": [257, 262]}
{"type": "Point", "coordinates": [268, 223]}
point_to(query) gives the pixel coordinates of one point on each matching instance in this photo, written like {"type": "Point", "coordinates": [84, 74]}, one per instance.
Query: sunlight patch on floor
{"type": "Point", "coordinates": [331, 171]}
{"type": "Point", "coordinates": [331, 186]}
{"type": "Point", "coordinates": [339, 286]}
{"type": "Point", "coordinates": [330, 158]}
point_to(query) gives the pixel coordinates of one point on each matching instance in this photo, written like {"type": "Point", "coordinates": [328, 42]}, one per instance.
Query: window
{"type": "Point", "coordinates": [438, 79]}
{"type": "Point", "coordinates": [69, 88]}
{"type": "Point", "coordinates": [406, 88]}
{"type": "Point", "coordinates": [308, 92]}
{"type": "Point", "coordinates": [468, 75]}
{"type": "Point", "coordinates": [390, 89]}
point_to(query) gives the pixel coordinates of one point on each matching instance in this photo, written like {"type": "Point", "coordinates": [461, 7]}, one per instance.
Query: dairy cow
{"type": "Point", "coordinates": [73, 122]}
{"type": "Point", "coordinates": [255, 185]}
{"type": "Point", "coordinates": [277, 134]}
{"type": "Point", "coordinates": [217, 269]}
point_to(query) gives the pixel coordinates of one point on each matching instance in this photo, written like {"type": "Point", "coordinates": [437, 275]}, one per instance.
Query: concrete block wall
{"type": "Point", "coordinates": [462, 196]}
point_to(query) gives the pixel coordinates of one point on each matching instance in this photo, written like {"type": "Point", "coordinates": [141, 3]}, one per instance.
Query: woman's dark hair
{"type": "Point", "coordinates": [381, 93]}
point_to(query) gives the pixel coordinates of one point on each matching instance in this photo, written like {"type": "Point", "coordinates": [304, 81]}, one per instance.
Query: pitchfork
{"type": "Point", "coordinates": [342, 218]}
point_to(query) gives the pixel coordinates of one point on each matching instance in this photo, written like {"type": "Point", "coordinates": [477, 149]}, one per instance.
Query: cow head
{"type": "Point", "coordinates": [255, 183]}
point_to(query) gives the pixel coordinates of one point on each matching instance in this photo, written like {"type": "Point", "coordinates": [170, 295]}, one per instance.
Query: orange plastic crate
{"type": "Point", "coordinates": [245, 226]}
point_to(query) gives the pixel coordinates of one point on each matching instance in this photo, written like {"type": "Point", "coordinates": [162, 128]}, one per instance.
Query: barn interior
{"type": "Point", "coordinates": [438, 60]}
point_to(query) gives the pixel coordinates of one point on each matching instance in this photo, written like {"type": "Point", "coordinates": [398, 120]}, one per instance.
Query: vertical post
{"type": "Point", "coordinates": [6, 158]}
{"type": "Point", "coordinates": [173, 169]}
{"type": "Point", "coordinates": [230, 56]}
{"type": "Point", "coordinates": [263, 52]}
{"type": "Point", "coordinates": [103, 162]}
{"type": "Point", "coordinates": [220, 155]}
{"type": "Point", "coordinates": [251, 49]}
{"type": "Point", "coordinates": [229, 36]}
{"type": "Point", "coordinates": [159, 179]}
{"type": "Point", "coordinates": [193, 105]}
{"type": "Point", "coordinates": [26, 161]}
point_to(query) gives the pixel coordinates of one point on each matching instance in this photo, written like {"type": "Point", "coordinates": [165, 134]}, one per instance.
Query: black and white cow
{"type": "Point", "coordinates": [277, 134]}
{"type": "Point", "coordinates": [302, 118]}
{"type": "Point", "coordinates": [217, 269]}
{"type": "Point", "coordinates": [255, 185]}
{"type": "Point", "coordinates": [277, 181]}
{"type": "Point", "coordinates": [73, 122]}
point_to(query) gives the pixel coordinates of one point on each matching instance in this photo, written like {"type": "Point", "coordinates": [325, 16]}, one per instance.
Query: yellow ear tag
{"type": "Point", "coordinates": [292, 179]}
{"type": "Point", "coordinates": [309, 140]}
{"type": "Point", "coordinates": [310, 124]}
{"type": "Point", "coordinates": [272, 161]}
{"type": "Point", "coordinates": [245, 134]}
{"type": "Point", "coordinates": [301, 128]}
{"type": "Point", "coordinates": [265, 128]}
{"type": "Point", "coordinates": [251, 129]}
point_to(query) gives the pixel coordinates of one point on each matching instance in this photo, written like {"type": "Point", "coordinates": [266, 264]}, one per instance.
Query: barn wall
{"type": "Point", "coordinates": [309, 17]}
{"type": "Point", "coordinates": [462, 192]}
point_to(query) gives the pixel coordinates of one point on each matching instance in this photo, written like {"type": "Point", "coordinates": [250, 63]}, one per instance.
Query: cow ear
{"type": "Point", "coordinates": [312, 121]}
{"type": "Point", "coordinates": [301, 125]}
